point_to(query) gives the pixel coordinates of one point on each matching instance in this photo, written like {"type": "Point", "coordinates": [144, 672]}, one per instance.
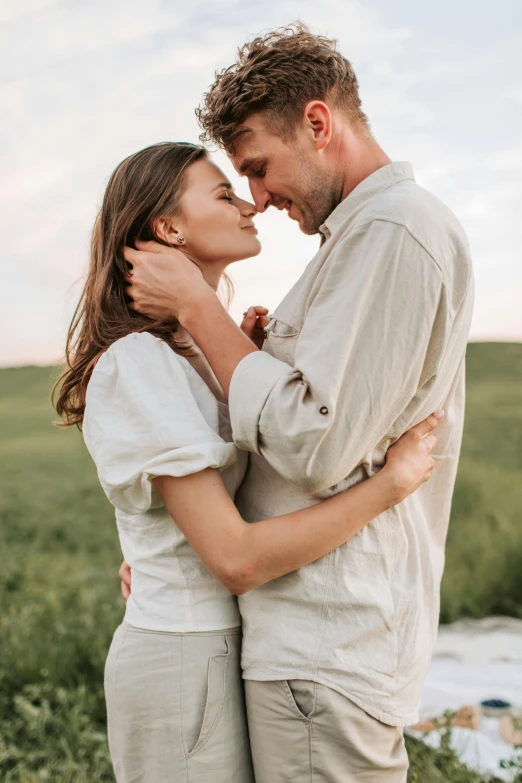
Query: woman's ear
{"type": "Point", "coordinates": [165, 230]}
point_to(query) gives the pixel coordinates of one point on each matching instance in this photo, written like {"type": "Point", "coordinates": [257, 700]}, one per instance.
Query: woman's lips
{"type": "Point", "coordinates": [252, 229]}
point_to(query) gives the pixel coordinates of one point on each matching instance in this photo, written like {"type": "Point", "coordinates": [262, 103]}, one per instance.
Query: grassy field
{"type": "Point", "coordinates": [59, 591]}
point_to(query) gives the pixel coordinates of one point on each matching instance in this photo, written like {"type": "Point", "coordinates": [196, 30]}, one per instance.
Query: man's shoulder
{"type": "Point", "coordinates": [431, 225]}
{"type": "Point", "coordinates": [421, 213]}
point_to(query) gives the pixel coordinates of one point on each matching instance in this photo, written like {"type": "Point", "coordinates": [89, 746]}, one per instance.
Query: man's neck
{"type": "Point", "coordinates": [358, 156]}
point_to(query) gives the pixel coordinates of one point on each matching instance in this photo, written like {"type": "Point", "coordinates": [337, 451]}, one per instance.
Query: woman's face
{"type": "Point", "coordinates": [216, 225]}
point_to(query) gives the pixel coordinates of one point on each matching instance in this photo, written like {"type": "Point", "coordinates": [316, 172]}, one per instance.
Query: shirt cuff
{"type": "Point", "coordinates": [252, 382]}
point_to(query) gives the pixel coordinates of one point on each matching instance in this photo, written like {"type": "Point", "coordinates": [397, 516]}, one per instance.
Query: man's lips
{"type": "Point", "coordinates": [288, 207]}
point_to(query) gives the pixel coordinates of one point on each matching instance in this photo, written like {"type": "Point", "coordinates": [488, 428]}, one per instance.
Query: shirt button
{"type": "Point", "coordinates": [323, 410]}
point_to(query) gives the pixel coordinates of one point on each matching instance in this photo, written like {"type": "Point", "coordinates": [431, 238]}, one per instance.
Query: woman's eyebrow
{"type": "Point", "coordinates": [226, 185]}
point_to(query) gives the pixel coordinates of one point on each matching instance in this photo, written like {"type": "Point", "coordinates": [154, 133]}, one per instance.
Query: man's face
{"type": "Point", "coordinates": [287, 175]}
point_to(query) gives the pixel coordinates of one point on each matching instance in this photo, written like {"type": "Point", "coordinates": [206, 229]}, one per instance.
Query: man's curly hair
{"type": "Point", "coordinates": [278, 73]}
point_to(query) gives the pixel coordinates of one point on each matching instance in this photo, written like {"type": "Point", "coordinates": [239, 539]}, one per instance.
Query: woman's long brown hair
{"type": "Point", "coordinates": [144, 187]}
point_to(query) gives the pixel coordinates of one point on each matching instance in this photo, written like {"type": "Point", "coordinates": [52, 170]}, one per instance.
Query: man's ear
{"type": "Point", "coordinates": [165, 230]}
{"type": "Point", "coordinates": [317, 122]}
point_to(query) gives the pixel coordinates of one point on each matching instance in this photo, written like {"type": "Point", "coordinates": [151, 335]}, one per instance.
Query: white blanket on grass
{"type": "Point", "coordinates": [476, 660]}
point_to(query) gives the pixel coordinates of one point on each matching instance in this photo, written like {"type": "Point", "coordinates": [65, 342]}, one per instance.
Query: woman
{"type": "Point", "coordinates": [156, 424]}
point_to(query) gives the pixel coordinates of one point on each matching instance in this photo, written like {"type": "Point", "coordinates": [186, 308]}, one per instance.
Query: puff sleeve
{"type": "Point", "coordinates": [142, 421]}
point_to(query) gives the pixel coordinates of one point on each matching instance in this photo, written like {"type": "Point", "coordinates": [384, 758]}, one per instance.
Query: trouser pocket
{"type": "Point", "coordinates": [216, 690]}
{"type": "Point", "coordinates": [301, 696]}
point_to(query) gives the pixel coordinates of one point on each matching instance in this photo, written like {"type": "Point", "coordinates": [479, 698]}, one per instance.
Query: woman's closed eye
{"type": "Point", "coordinates": [226, 195]}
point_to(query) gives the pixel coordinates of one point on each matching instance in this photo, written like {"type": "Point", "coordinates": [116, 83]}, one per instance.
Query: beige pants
{"type": "Point", "coordinates": [304, 732]}
{"type": "Point", "coordinates": [175, 708]}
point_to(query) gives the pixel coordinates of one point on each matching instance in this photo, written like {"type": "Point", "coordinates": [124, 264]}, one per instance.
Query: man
{"type": "Point", "coordinates": [370, 339]}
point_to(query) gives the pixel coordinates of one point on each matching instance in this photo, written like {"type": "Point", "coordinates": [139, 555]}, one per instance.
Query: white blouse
{"type": "Point", "coordinates": [149, 413]}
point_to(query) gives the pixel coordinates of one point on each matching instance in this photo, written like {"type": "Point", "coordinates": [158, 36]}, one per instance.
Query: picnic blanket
{"type": "Point", "coordinates": [475, 660]}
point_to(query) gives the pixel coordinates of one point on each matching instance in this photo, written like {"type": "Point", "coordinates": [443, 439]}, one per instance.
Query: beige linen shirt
{"type": "Point", "coordinates": [369, 341]}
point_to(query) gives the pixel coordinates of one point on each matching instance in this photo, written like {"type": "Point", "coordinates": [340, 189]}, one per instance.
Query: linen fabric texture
{"type": "Point", "coordinates": [369, 342]}
{"type": "Point", "coordinates": [303, 731]}
{"type": "Point", "coordinates": [175, 708]}
{"type": "Point", "coordinates": [149, 414]}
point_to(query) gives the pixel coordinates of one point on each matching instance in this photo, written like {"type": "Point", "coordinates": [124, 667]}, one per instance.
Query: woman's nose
{"type": "Point", "coordinates": [248, 209]}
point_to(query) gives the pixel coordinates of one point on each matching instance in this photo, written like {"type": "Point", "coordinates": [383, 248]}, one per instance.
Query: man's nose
{"type": "Point", "coordinates": [261, 196]}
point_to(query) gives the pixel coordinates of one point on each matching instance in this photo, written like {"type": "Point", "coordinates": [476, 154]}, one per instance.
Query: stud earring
{"type": "Point", "coordinates": [181, 240]}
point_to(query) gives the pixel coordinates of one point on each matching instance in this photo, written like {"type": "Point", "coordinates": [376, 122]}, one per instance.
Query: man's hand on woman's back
{"type": "Point", "coordinates": [125, 575]}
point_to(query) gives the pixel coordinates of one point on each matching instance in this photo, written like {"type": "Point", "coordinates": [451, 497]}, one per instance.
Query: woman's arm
{"type": "Point", "coordinates": [243, 556]}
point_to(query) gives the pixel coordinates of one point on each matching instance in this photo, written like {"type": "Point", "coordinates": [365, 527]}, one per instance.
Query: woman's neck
{"type": "Point", "coordinates": [212, 277]}
{"type": "Point", "coordinates": [211, 274]}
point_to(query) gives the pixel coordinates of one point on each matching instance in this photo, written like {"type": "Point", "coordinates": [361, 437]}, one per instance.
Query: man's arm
{"type": "Point", "coordinates": [365, 350]}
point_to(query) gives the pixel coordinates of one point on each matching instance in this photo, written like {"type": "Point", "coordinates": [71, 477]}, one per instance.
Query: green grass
{"type": "Point", "coordinates": [59, 589]}
{"type": "Point", "coordinates": [483, 573]}
{"type": "Point", "coordinates": [58, 593]}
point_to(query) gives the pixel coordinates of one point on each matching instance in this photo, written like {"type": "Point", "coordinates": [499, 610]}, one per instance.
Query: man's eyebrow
{"type": "Point", "coordinates": [226, 185]}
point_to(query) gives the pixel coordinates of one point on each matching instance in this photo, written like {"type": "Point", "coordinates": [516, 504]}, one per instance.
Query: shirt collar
{"type": "Point", "coordinates": [380, 180]}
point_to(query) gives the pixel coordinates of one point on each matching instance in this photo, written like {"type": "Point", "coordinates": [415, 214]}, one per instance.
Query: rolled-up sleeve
{"type": "Point", "coordinates": [359, 359]}
{"type": "Point", "coordinates": [142, 421]}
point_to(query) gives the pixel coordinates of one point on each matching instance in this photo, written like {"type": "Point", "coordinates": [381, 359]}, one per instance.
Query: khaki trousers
{"type": "Point", "coordinates": [175, 707]}
{"type": "Point", "coordinates": [304, 732]}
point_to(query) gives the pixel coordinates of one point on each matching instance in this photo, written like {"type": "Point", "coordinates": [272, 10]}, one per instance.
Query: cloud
{"type": "Point", "coordinates": [514, 94]}
{"type": "Point", "coordinates": [16, 10]}
{"type": "Point", "coordinates": [506, 160]}
{"type": "Point", "coordinates": [85, 84]}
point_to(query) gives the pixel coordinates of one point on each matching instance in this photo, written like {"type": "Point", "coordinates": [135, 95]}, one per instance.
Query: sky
{"type": "Point", "coordinates": [85, 83]}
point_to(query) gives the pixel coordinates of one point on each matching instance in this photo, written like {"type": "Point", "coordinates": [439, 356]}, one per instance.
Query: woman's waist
{"type": "Point", "coordinates": [172, 609]}
{"type": "Point", "coordinates": [160, 562]}
{"type": "Point", "coordinates": [234, 630]}
{"type": "Point", "coordinates": [185, 582]}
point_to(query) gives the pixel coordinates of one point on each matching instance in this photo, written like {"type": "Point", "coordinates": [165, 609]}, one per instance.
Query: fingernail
{"type": "Point", "coordinates": [439, 414]}
{"type": "Point", "coordinates": [250, 312]}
